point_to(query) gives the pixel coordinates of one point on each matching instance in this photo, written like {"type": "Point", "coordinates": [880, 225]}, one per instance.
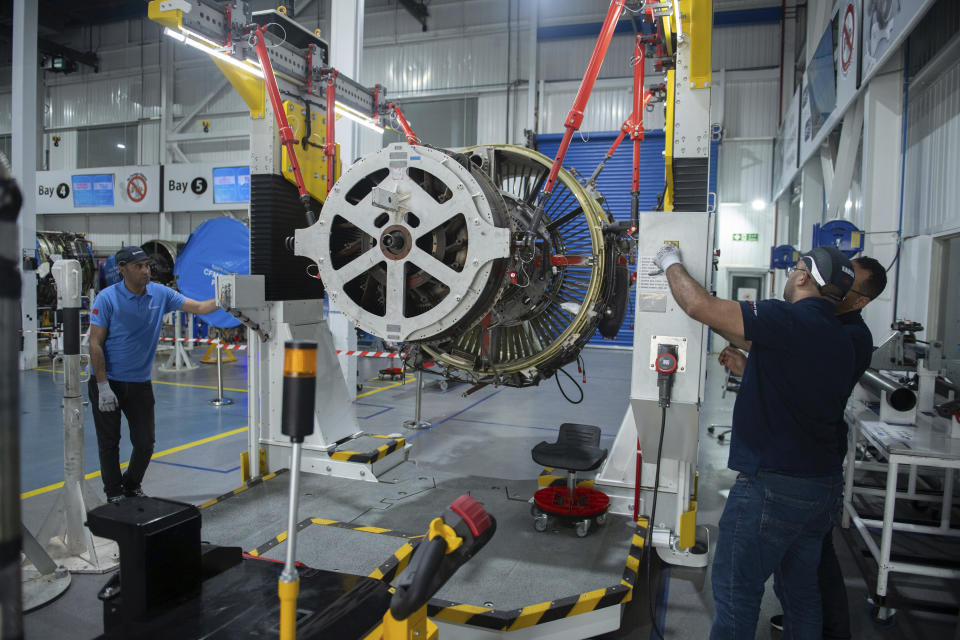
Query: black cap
{"type": "Point", "coordinates": [830, 266]}
{"type": "Point", "coordinates": [129, 255]}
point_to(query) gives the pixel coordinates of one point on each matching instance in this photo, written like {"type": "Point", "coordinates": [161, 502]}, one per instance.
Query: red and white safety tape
{"type": "Point", "coordinates": [243, 347]}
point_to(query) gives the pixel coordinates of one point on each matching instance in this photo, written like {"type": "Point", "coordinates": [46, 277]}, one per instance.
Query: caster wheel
{"type": "Point", "coordinates": [883, 617]}
{"type": "Point", "coordinates": [540, 523]}
{"type": "Point", "coordinates": [601, 519]}
{"type": "Point", "coordinates": [534, 509]}
{"type": "Point", "coordinates": [444, 385]}
{"type": "Point", "coordinates": [583, 527]}
{"type": "Point", "coordinates": [359, 387]}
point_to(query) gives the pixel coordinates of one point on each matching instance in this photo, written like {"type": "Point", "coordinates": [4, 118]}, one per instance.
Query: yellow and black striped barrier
{"type": "Point", "coordinates": [246, 485]}
{"type": "Point", "coordinates": [396, 564]}
{"type": "Point", "coordinates": [369, 457]}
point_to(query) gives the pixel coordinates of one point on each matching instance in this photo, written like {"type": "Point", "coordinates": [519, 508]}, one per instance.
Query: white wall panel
{"type": "Point", "coordinates": [750, 108]}
{"type": "Point", "coordinates": [454, 63]}
{"type": "Point", "coordinates": [567, 59]}
{"type": "Point", "coordinates": [931, 186]}
{"type": "Point", "coordinates": [87, 100]}
{"type": "Point", "coordinates": [746, 47]}
{"type": "Point", "coordinates": [744, 173]}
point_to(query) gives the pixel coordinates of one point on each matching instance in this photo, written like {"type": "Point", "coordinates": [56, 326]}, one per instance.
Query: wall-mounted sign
{"type": "Point", "coordinates": [205, 187]}
{"type": "Point", "coordinates": [100, 190]}
{"type": "Point", "coordinates": [746, 237]}
{"type": "Point", "coordinates": [886, 24]}
{"type": "Point", "coordinates": [846, 20]}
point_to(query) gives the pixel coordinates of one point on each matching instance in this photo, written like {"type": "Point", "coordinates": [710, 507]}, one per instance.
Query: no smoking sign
{"type": "Point", "coordinates": [847, 39]}
{"type": "Point", "coordinates": [137, 187]}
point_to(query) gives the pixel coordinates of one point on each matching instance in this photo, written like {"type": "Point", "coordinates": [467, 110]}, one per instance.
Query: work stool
{"type": "Point", "coordinates": [731, 384]}
{"type": "Point", "coordinates": [576, 449]}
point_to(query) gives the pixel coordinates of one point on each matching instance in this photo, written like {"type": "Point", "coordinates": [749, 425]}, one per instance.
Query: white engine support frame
{"type": "Point", "coordinates": [658, 314]}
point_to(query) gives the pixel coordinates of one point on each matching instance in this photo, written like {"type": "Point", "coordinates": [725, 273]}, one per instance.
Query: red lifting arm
{"type": "Point", "coordinates": [407, 131]}
{"type": "Point", "coordinates": [575, 117]}
{"type": "Point", "coordinates": [286, 133]}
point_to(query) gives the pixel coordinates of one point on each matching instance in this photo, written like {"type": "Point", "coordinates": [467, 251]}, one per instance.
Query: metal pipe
{"type": "Point", "coordinates": [898, 396]}
{"type": "Point", "coordinates": [290, 566]}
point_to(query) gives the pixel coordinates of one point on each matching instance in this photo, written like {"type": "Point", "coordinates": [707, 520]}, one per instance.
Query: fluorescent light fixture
{"type": "Point", "coordinates": [676, 17]}
{"type": "Point", "coordinates": [120, 145]}
{"type": "Point", "coordinates": [758, 204]}
{"type": "Point", "coordinates": [211, 48]}
{"type": "Point", "coordinates": [356, 116]}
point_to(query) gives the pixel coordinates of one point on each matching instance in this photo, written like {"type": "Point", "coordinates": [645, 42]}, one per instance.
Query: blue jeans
{"type": "Point", "coordinates": [772, 524]}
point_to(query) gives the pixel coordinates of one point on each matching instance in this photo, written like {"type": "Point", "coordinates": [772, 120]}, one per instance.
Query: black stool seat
{"type": "Point", "coordinates": [576, 448]}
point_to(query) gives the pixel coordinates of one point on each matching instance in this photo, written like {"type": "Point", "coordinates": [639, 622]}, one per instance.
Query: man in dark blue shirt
{"type": "Point", "coordinates": [788, 438]}
{"type": "Point", "coordinates": [869, 282]}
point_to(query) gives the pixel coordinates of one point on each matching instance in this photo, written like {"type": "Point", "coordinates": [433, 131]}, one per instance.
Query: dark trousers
{"type": "Point", "coordinates": [772, 524]}
{"type": "Point", "coordinates": [833, 593]}
{"type": "Point", "coordinates": [136, 402]}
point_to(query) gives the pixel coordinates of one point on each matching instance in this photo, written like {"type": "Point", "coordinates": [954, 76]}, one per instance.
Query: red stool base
{"type": "Point", "coordinates": [586, 503]}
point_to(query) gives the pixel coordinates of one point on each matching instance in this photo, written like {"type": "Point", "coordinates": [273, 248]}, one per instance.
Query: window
{"type": "Point", "coordinates": [107, 146]}
{"type": "Point", "coordinates": [443, 123]}
{"type": "Point", "coordinates": [6, 146]}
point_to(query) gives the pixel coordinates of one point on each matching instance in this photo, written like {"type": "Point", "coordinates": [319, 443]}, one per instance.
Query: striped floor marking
{"type": "Point", "coordinates": [369, 457]}
{"type": "Point", "coordinates": [323, 522]}
{"type": "Point", "coordinates": [252, 483]}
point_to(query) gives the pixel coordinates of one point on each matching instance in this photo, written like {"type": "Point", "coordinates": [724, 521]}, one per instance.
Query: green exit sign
{"type": "Point", "coordinates": [746, 237]}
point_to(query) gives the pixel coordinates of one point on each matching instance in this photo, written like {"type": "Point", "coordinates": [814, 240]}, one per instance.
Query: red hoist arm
{"type": "Point", "coordinates": [286, 133]}
{"type": "Point", "coordinates": [575, 117]}
{"type": "Point", "coordinates": [330, 148]}
{"type": "Point", "coordinates": [407, 131]}
{"type": "Point", "coordinates": [639, 102]}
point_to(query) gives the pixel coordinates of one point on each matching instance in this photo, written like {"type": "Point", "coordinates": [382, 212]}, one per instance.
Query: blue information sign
{"type": "Point", "coordinates": [231, 184]}
{"type": "Point", "coordinates": [93, 190]}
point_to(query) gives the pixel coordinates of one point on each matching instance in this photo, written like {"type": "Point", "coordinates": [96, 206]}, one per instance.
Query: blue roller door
{"type": "Point", "coordinates": [586, 153]}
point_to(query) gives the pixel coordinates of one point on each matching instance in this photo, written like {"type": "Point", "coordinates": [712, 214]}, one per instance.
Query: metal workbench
{"type": "Point", "coordinates": [899, 449]}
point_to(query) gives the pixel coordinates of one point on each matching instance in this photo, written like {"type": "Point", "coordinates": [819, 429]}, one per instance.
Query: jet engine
{"type": "Point", "coordinates": [424, 245]}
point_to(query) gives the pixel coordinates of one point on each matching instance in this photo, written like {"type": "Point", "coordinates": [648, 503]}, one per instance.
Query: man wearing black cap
{"type": "Point", "coordinates": [869, 282]}
{"type": "Point", "coordinates": [125, 323]}
{"type": "Point", "coordinates": [788, 438]}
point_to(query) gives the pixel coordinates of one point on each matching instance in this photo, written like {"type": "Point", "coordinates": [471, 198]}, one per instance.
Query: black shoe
{"type": "Point", "coordinates": [114, 499]}
{"type": "Point", "coordinates": [777, 622]}
{"type": "Point", "coordinates": [134, 493]}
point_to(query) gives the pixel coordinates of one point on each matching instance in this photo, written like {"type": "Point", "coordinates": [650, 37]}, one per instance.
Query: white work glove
{"type": "Point", "coordinates": [667, 256]}
{"type": "Point", "coordinates": [108, 399]}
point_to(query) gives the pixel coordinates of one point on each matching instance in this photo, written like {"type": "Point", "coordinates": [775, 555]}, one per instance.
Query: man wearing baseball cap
{"type": "Point", "coordinates": [869, 282]}
{"type": "Point", "coordinates": [788, 438]}
{"type": "Point", "coordinates": [125, 323]}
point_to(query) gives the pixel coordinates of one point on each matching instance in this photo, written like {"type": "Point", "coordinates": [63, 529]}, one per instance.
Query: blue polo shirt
{"type": "Point", "coordinates": [133, 326]}
{"type": "Point", "coordinates": [788, 417]}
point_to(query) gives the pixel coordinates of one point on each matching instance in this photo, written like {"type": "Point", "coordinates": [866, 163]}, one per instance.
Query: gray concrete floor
{"type": "Point", "coordinates": [478, 445]}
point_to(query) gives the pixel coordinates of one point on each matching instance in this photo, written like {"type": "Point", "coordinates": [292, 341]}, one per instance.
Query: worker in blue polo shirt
{"type": "Point", "coordinates": [870, 279]}
{"type": "Point", "coordinates": [125, 323]}
{"type": "Point", "coordinates": [788, 439]}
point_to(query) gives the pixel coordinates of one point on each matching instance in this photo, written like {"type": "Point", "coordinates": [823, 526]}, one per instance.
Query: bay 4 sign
{"type": "Point", "coordinates": [100, 190]}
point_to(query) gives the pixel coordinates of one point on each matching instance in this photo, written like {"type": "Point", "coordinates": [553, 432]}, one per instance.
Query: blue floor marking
{"type": "Point", "coordinates": [522, 426]}
{"type": "Point", "coordinates": [374, 415]}
{"type": "Point", "coordinates": [190, 466]}
{"type": "Point", "coordinates": [371, 404]}
{"type": "Point", "coordinates": [451, 417]}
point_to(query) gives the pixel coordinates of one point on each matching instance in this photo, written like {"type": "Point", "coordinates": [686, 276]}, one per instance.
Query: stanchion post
{"type": "Point", "coordinates": [296, 421]}
{"type": "Point", "coordinates": [417, 423]}
{"type": "Point", "coordinates": [220, 401]}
